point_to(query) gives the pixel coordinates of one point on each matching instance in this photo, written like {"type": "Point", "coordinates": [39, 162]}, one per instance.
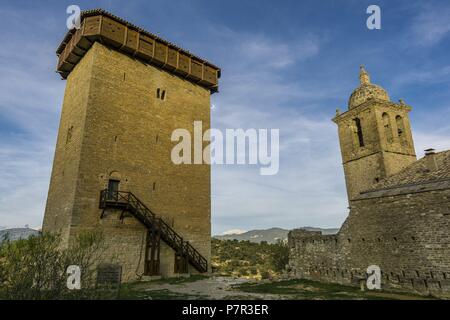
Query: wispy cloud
{"type": "Point", "coordinates": [291, 79]}
{"type": "Point", "coordinates": [431, 25]}
{"type": "Point", "coordinates": [24, 174]}
{"type": "Point", "coordinates": [263, 51]}
{"type": "Point", "coordinates": [257, 92]}
{"type": "Point", "coordinates": [30, 99]}
{"type": "Point", "coordinates": [438, 139]}
{"type": "Point", "coordinates": [419, 76]}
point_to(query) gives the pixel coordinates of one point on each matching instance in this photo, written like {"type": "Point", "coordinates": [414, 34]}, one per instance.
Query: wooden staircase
{"type": "Point", "coordinates": [128, 202]}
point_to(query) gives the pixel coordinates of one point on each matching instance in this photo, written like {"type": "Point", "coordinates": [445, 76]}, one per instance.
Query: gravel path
{"type": "Point", "coordinates": [215, 288]}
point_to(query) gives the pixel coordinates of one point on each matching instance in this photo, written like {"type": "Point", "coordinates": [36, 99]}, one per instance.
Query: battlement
{"type": "Point", "coordinates": [114, 32]}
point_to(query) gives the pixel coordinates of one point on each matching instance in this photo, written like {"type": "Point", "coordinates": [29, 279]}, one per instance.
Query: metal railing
{"type": "Point", "coordinates": [127, 201]}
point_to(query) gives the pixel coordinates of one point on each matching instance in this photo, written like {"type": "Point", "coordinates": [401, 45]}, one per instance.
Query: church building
{"type": "Point", "coordinates": [399, 216]}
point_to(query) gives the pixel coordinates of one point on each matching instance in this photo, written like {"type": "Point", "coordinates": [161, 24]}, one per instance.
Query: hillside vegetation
{"type": "Point", "coordinates": [272, 235]}
{"type": "Point", "coordinates": [247, 259]}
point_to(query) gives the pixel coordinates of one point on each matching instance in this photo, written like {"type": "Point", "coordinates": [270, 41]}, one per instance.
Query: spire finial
{"type": "Point", "coordinates": [364, 77]}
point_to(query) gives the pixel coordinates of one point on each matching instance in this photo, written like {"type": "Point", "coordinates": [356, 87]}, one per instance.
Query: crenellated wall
{"type": "Point", "coordinates": [406, 235]}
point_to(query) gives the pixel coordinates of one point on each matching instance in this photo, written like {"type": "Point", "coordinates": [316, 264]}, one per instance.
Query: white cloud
{"type": "Point", "coordinates": [436, 139]}
{"type": "Point", "coordinates": [431, 24]}
{"type": "Point", "coordinates": [233, 231]}
{"type": "Point", "coordinates": [25, 175]}
{"type": "Point", "coordinates": [256, 93]}
{"type": "Point", "coordinates": [257, 90]}
{"type": "Point", "coordinates": [263, 51]}
{"type": "Point", "coordinates": [30, 98]}
{"type": "Point", "coordinates": [419, 76]}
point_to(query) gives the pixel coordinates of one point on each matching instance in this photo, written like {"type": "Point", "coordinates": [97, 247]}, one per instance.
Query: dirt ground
{"type": "Point", "coordinates": [214, 288]}
{"type": "Point", "coordinates": [229, 288]}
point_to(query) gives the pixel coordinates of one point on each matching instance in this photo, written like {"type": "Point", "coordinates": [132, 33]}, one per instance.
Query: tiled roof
{"type": "Point", "coordinates": [416, 175]}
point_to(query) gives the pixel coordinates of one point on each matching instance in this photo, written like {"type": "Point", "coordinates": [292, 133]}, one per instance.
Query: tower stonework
{"type": "Point", "coordinates": [127, 91]}
{"type": "Point", "coordinates": [375, 137]}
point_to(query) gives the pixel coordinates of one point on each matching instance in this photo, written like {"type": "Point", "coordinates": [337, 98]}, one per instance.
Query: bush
{"type": "Point", "coordinates": [35, 268]}
{"type": "Point", "coordinates": [248, 258]}
{"type": "Point", "coordinates": [280, 256]}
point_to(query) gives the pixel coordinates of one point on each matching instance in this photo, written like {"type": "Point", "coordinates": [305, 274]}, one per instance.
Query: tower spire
{"type": "Point", "coordinates": [364, 77]}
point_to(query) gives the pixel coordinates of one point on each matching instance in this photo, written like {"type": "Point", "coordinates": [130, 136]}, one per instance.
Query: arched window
{"type": "Point", "coordinates": [387, 127]}
{"type": "Point", "coordinates": [400, 126]}
{"type": "Point", "coordinates": [359, 132]}
{"type": "Point", "coordinates": [401, 129]}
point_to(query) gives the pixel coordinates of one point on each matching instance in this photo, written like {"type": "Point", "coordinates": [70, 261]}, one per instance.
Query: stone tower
{"type": "Point", "coordinates": [126, 91]}
{"type": "Point", "coordinates": [375, 136]}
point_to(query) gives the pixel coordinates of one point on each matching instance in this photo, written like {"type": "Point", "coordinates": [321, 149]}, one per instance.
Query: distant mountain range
{"type": "Point", "coordinates": [271, 235]}
{"type": "Point", "coordinates": [17, 233]}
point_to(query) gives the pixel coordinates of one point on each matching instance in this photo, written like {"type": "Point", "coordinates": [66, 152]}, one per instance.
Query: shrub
{"type": "Point", "coordinates": [247, 258]}
{"type": "Point", "coordinates": [35, 268]}
{"type": "Point", "coordinates": [280, 256]}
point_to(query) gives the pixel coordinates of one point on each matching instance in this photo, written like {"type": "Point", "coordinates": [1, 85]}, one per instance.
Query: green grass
{"type": "Point", "coordinates": [141, 290]}
{"type": "Point", "coordinates": [307, 289]}
{"type": "Point", "coordinates": [180, 280]}
{"type": "Point", "coordinates": [299, 289]}
{"type": "Point", "coordinates": [163, 294]}
{"type": "Point", "coordinates": [133, 292]}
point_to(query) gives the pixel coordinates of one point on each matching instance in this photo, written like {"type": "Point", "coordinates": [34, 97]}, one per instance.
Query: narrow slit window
{"type": "Point", "coordinates": [359, 132]}
{"type": "Point", "coordinates": [387, 127]}
{"type": "Point", "coordinates": [69, 134]}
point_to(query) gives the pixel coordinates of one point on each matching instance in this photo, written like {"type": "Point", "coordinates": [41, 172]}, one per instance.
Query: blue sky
{"type": "Point", "coordinates": [286, 65]}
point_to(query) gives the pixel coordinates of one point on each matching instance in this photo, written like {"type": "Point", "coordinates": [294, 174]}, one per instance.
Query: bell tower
{"type": "Point", "coordinates": [374, 135]}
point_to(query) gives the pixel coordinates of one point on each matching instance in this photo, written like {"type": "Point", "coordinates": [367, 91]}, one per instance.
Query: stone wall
{"type": "Point", "coordinates": [406, 235]}
{"type": "Point", "coordinates": [122, 130]}
{"type": "Point", "coordinates": [66, 163]}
